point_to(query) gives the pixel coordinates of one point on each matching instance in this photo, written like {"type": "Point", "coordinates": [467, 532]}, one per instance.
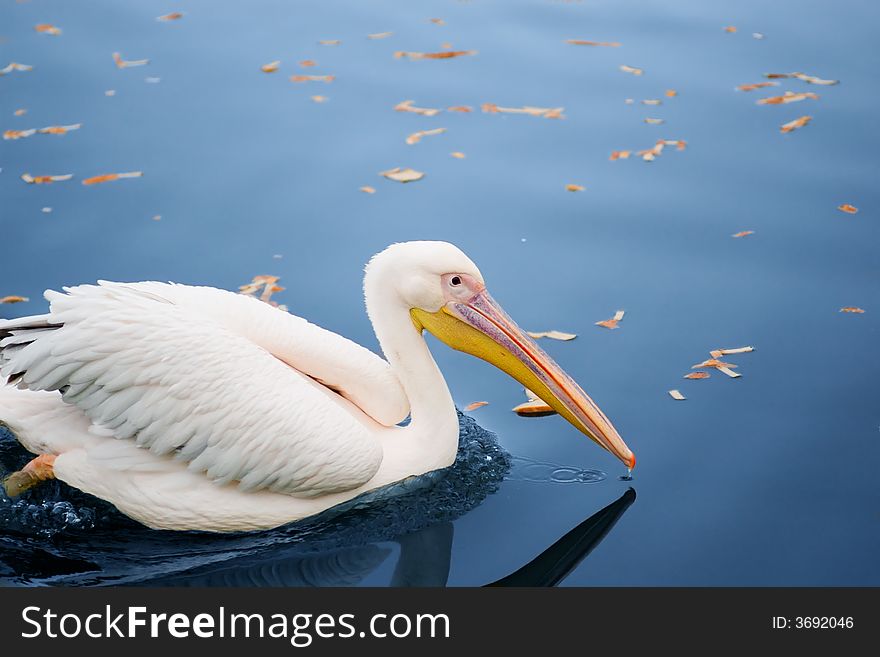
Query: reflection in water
{"type": "Point", "coordinates": [59, 536]}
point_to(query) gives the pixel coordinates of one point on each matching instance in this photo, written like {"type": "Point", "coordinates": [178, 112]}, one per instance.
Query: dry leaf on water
{"type": "Point", "coordinates": [13, 299]}
{"type": "Point", "coordinates": [319, 99]}
{"type": "Point", "coordinates": [675, 394]}
{"type": "Point", "coordinates": [312, 78]}
{"type": "Point", "coordinates": [402, 175]}
{"type": "Point", "coordinates": [329, 42]}
{"type": "Point", "coordinates": [416, 137]}
{"type": "Point", "coordinates": [18, 134]}
{"type": "Point", "coordinates": [458, 155]}
{"type": "Point", "coordinates": [46, 28]}
{"type": "Point", "coordinates": [269, 286]}
{"type": "Point", "coordinates": [619, 155]}
{"type": "Point", "coordinates": [20, 112]}
{"type": "Point", "coordinates": [366, 189]}
{"type": "Point", "coordinates": [307, 63]}
{"type": "Point", "coordinates": [545, 112]}
{"type": "Point", "coordinates": [59, 129]}
{"type": "Point", "coordinates": [446, 54]}
{"type": "Point", "coordinates": [535, 407]}
{"type": "Point", "coordinates": [574, 188]}
{"type": "Point", "coordinates": [788, 97]}
{"type": "Point", "coordinates": [380, 35]}
{"type": "Point", "coordinates": [718, 353]}
{"type": "Point", "coordinates": [475, 405]}
{"type": "Point", "coordinates": [756, 85]}
{"type": "Point", "coordinates": [611, 323]}
{"type": "Point", "coordinates": [437, 21]}
{"type": "Point", "coordinates": [581, 42]}
{"type": "Point", "coordinates": [743, 233]}
{"type": "Point", "coordinates": [730, 29]}
{"type": "Point", "coordinates": [631, 69]}
{"type": "Point", "coordinates": [15, 66]}
{"type": "Point", "coordinates": [651, 121]}
{"type": "Point", "coordinates": [128, 63]}
{"type": "Point", "coordinates": [652, 101]}
{"type": "Point", "coordinates": [697, 375]}
{"type": "Point", "coordinates": [271, 67]}
{"type": "Point", "coordinates": [107, 177]}
{"type": "Point", "coordinates": [44, 180]}
{"type": "Point", "coordinates": [460, 108]}
{"type": "Point", "coordinates": [173, 16]}
{"type": "Point", "coordinates": [852, 309]}
{"type": "Point", "coordinates": [797, 123]}
{"type": "Point", "coordinates": [553, 335]}
{"type": "Point", "coordinates": [849, 209]}
{"type": "Point", "coordinates": [407, 106]}
{"type": "Point", "coordinates": [671, 93]}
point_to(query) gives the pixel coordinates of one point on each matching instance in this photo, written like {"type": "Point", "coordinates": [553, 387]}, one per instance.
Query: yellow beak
{"type": "Point", "coordinates": [480, 327]}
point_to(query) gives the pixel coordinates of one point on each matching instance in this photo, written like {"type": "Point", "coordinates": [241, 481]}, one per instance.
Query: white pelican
{"type": "Point", "coordinates": [193, 408]}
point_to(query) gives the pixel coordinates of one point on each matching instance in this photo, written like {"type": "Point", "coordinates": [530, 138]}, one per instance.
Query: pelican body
{"type": "Point", "coordinates": [193, 408]}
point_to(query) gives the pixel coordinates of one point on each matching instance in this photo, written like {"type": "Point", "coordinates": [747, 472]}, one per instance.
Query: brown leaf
{"type": "Point", "coordinates": [812, 79]}
{"type": "Point", "coordinates": [45, 28]}
{"type": "Point", "coordinates": [581, 42]}
{"type": "Point", "coordinates": [475, 405]}
{"type": "Point", "coordinates": [319, 99]}
{"type": "Point", "coordinates": [107, 177]}
{"type": "Point", "coordinates": [535, 407]}
{"type": "Point", "coordinates": [675, 394]}
{"type": "Point", "coordinates": [852, 309]}
{"type": "Point", "coordinates": [173, 16]}
{"type": "Point", "coordinates": [312, 78]}
{"type": "Point", "coordinates": [797, 123]}
{"type": "Point", "coordinates": [13, 299]}
{"type": "Point", "coordinates": [458, 155]}
{"type": "Point", "coordinates": [574, 188]}
{"type": "Point", "coordinates": [41, 180]}
{"type": "Point", "coordinates": [128, 63]}
{"type": "Point", "coordinates": [650, 121]}
{"type": "Point", "coordinates": [712, 362]}
{"type": "Point", "coordinates": [437, 21]}
{"type": "Point", "coordinates": [619, 155]}
{"type": "Point", "coordinates": [731, 29]}
{"type": "Point", "coordinates": [788, 97]}
{"type": "Point", "coordinates": [697, 375]}
{"type": "Point", "coordinates": [18, 134]}
{"type": "Point", "coordinates": [849, 209]}
{"type": "Point", "coordinates": [671, 93]}
{"type": "Point", "coordinates": [307, 63]}
{"type": "Point", "coordinates": [59, 129]}
{"type": "Point", "coordinates": [756, 85]}
{"type": "Point", "coordinates": [743, 233]}
{"type": "Point", "coordinates": [611, 323]}
{"type": "Point", "coordinates": [631, 69]}
{"type": "Point", "coordinates": [545, 112]}
{"type": "Point", "coordinates": [416, 137]}
{"type": "Point", "coordinates": [407, 106]}
{"type": "Point", "coordinates": [460, 108]}
{"type": "Point", "coordinates": [553, 335]}
{"type": "Point", "coordinates": [402, 175]}
{"type": "Point", "coordinates": [446, 54]}
{"type": "Point", "coordinates": [20, 112]}
{"type": "Point", "coordinates": [271, 67]}
{"type": "Point", "coordinates": [366, 189]}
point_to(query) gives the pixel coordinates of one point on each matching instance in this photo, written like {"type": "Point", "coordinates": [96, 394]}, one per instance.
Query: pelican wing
{"type": "Point", "coordinates": [222, 382]}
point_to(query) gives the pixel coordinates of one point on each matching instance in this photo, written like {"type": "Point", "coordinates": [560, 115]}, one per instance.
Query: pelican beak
{"type": "Point", "coordinates": [480, 327]}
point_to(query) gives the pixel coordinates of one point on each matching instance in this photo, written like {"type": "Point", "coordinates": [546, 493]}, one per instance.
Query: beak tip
{"type": "Point", "coordinates": [631, 462]}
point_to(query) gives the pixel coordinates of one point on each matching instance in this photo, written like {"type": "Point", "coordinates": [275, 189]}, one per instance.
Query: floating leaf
{"type": "Point", "coordinates": [107, 177]}
{"type": "Point", "coordinates": [329, 42]}
{"type": "Point", "coordinates": [849, 209]}
{"type": "Point", "coordinates": [366, 189]}
{"type": "Point", "coordinates": [729, 372]}
{"type": "Point", "coordinates": [730, 29]}
{"type": "Point", "coordinates": [128, 63]}
{"type": "Point", "coordinates": [380, 35]}
{"type": "Point", "coordinates": [574, 188]}
{"type": "Point", "coordinates": [756, 85]}
{"type": "Point", "coordinates": [475, 405]}
{"type": "Point", "coordinates": [852, 309]}
{"type": "Point", "coordinates": [717, 353]}
{"type": "Point", "coordinates": [46, 28]}
{"type": "Point", "coordinates": [173, 16]}
{"type": "Point", "coordinates": [269, 286]}
{"type": "Point", "coordinates": [312, 78]}
{"type": "Point", "coordinates": [545, 112]}
{"type": "Point", "coordinates": [59, 129]}
{"type": "Point", "coordinates": [20, 112]}
{"type": "Point", "coordinates": [671, 93]}
{"type": "Point", "coordinates": [319, 99]}
{"type": "Point", "coordinates": [743, 233]}
{"type": "Point", "coordinates": [45, 180]}
{"type": "Point", "coordinates": [407, 106]}
{"type": "Point", "coordinates": [788, 97]}
{"type": "Point", "coordinates": [675, 394]}
{"type": "Point", "coordinates": [271, 67]}
{"type": "Point", "coordinates": [307, 63]}
{"type": "Point", "coordinates": [458, 155]}
{"type": "Point", "coordinates": [460, 108]}
{"type": "Point", "coordinates": [437, 21]}
{"type": "Point", "coordinates": [611, 323]}
{"type": "Point", "coordinates": [619, 155]}
{"type": "Point", "coordinates": [553, 335]}
{"type": "Point", "coordinates": [534, 407]}
{"type": "Point", "coordinates": [652, 101]}
{"type": "Point", "coordinates": [581, 42]}
{"type": "Point", "coordinates": [13, 299]}
{"type": "Point", "coordinates": [812, 79]}
{"type": "Point", "coordinates": [15, 66]}
{"type": "Point", "coordinates": [697, 375]}
{"type": "Point", "coordinates": [797, 123]}
{"type": "Point", "coordinates": [402, 175]}
{"type": "Point", "coordinates": [631, 69]}
{"type": "Point", "coordinates": [650, 121]}
{"type": "Point", "coordinates": [416, 137]}
{"type": "Point", "coordinates": [446, 54]}
{"type": "Point", "coordinates": [18, 134]}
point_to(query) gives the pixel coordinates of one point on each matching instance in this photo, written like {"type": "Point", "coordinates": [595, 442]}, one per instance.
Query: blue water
{"type": "Point", "coordinates": [769, 479]}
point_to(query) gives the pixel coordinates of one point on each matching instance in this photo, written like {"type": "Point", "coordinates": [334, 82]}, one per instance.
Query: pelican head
{"type": "Point", "coordinates": [445, 294]}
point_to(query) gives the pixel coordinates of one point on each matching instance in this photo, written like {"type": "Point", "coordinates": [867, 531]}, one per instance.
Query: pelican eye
{"type": "Point", "coordinates": [456, 280]}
